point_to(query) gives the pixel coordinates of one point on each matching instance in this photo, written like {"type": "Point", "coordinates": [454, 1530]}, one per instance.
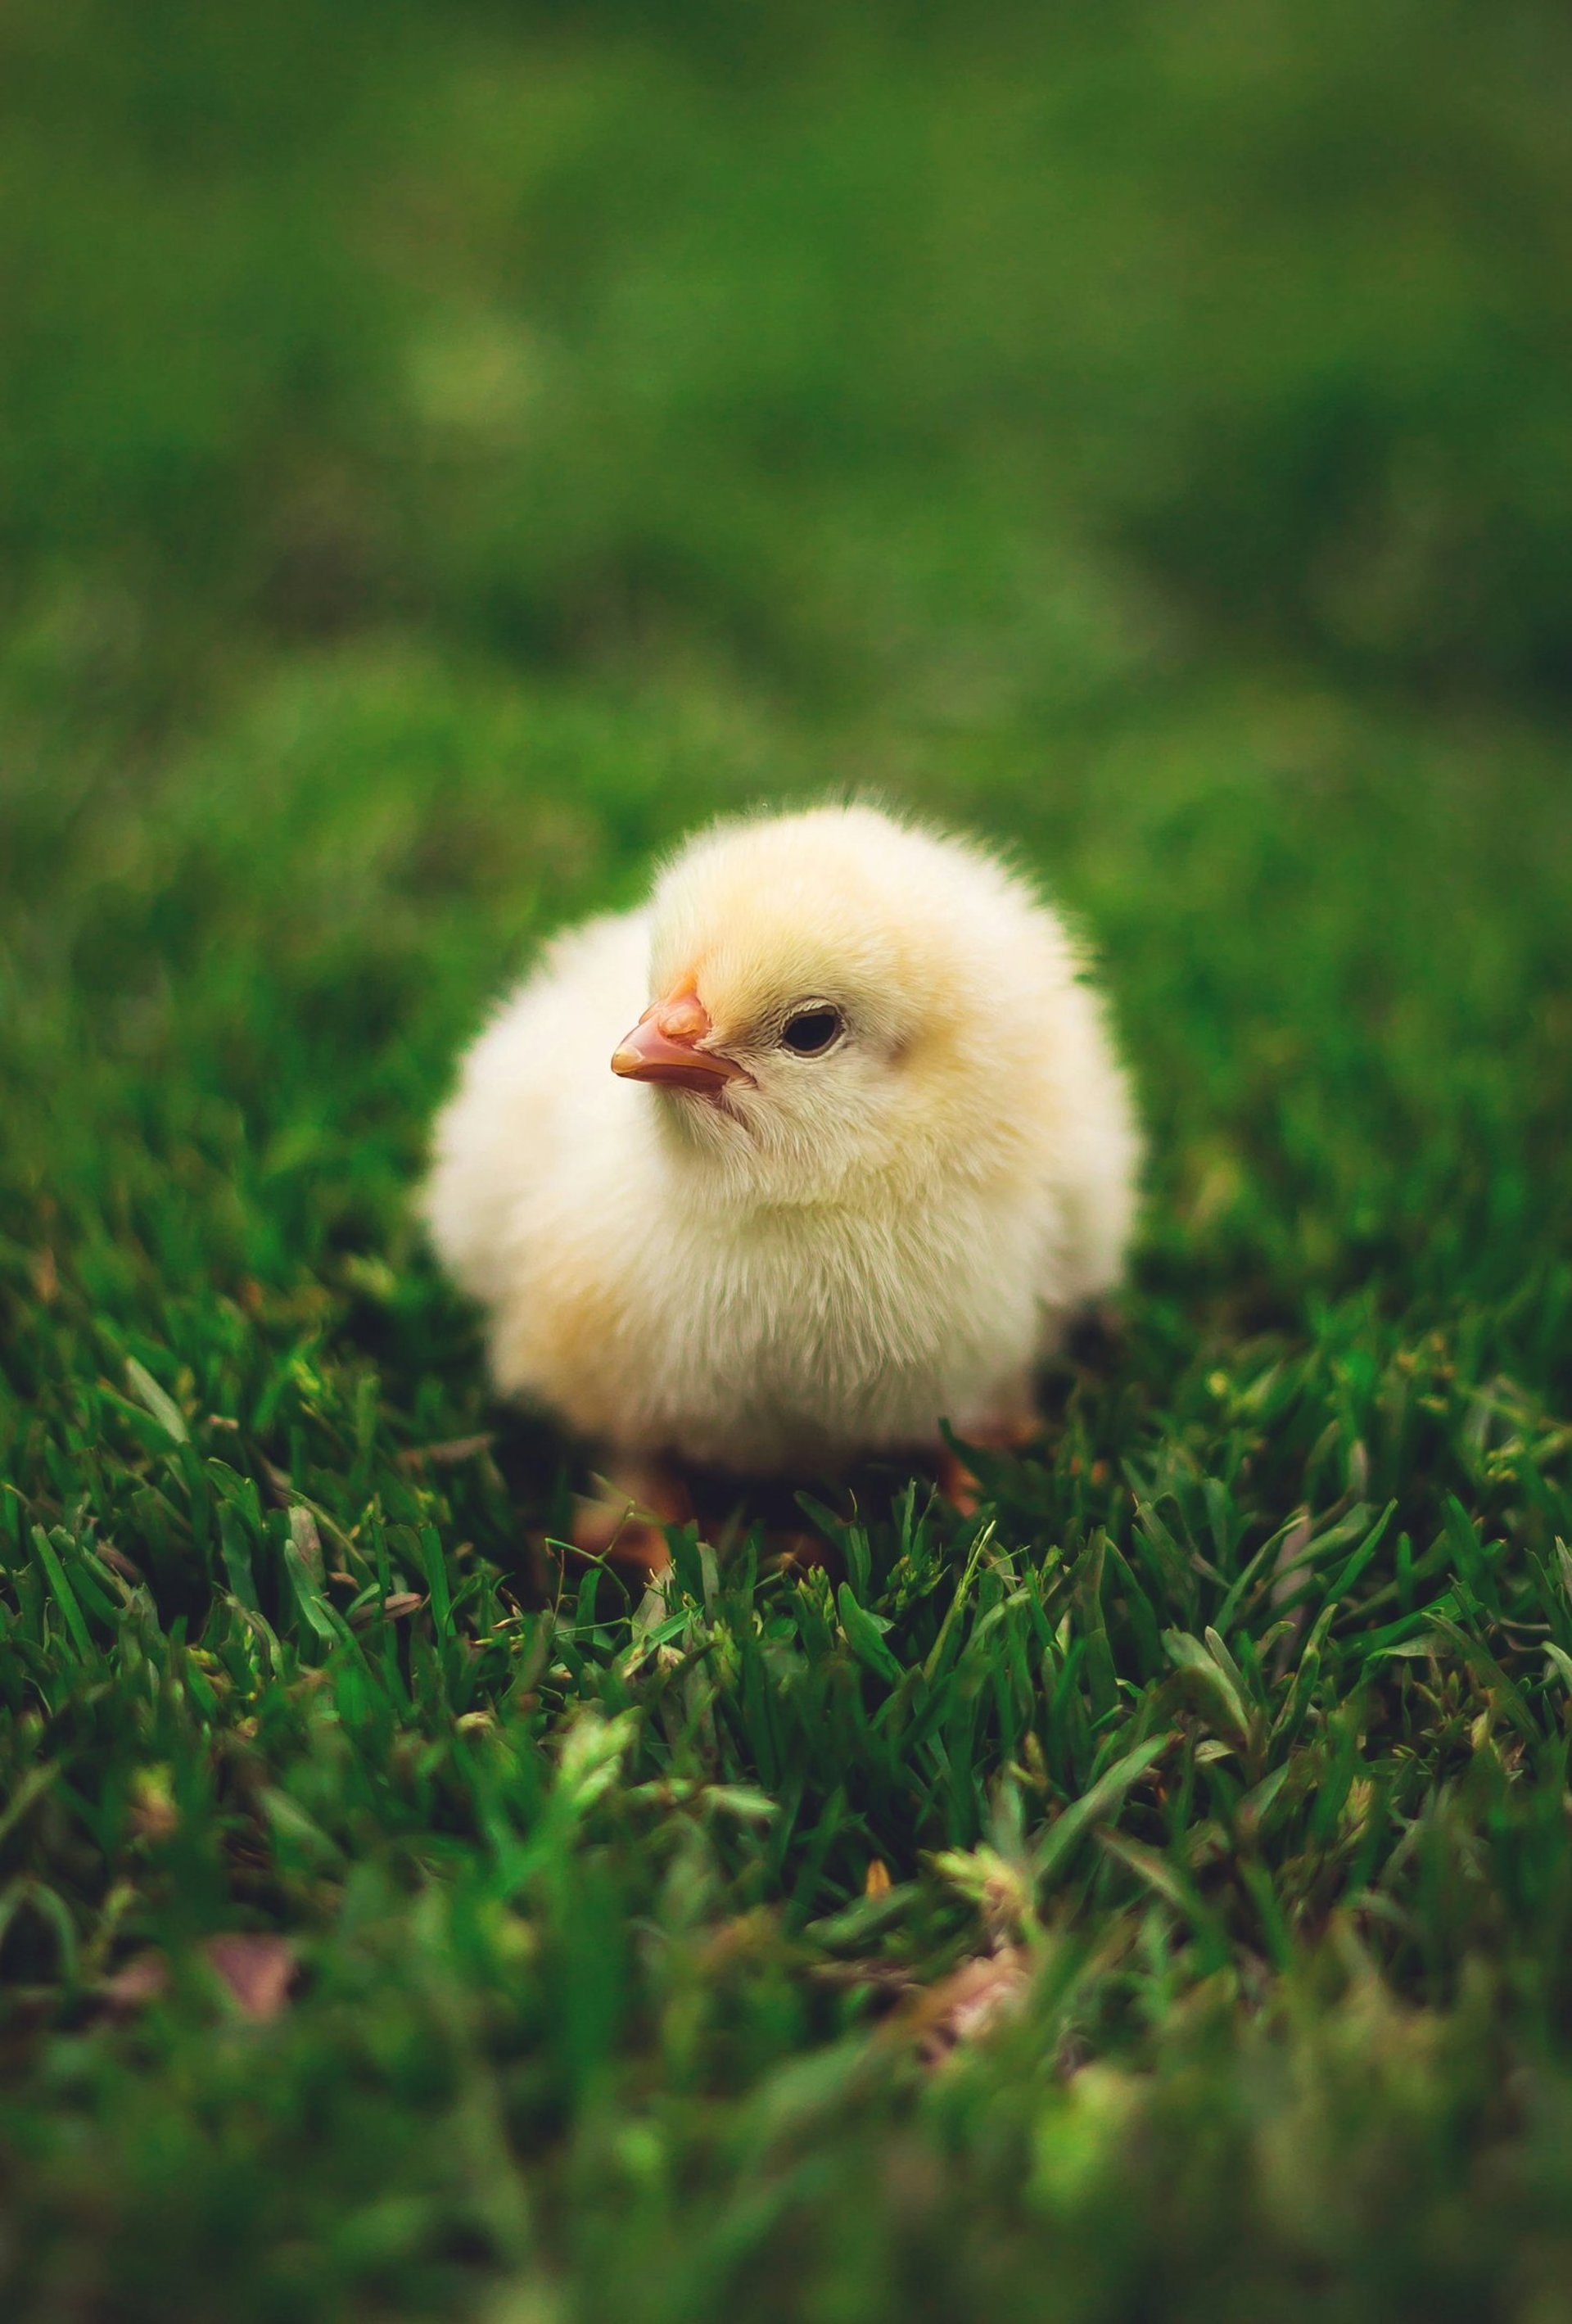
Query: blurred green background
{"type": "Point", "coordinates": [444, 452]}
{"type": "Point", "coordinates": [993, 367]}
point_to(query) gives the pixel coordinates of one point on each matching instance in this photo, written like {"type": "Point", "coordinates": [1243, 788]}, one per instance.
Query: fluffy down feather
{"type": "Point", "coordinates": [823, 1254]}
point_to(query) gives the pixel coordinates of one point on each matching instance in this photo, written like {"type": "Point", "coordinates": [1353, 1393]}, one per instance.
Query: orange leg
{"type": "Point", "coordinates": [625, 1523]}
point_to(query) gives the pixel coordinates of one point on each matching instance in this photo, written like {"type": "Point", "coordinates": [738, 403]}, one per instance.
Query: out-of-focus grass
{"type": "Point", "coordinates": [995, 363]}
{"type": "Point", "coordinates": [444, 454]}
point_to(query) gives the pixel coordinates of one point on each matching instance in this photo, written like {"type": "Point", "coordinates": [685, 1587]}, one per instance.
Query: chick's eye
{"type": "Point", "coordinates": [811, 1031]}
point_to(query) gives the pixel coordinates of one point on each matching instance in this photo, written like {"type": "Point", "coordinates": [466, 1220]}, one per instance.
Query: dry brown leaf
{"type": "Point", "coordinates": [138, 1981]}
{"type": "Point", "coordinates": [307, 1540]}
{"type": "Point", "coordinates": [257, 1969]}
{"type": "Point", "coordinates": [968, 2002]}
{"type": "Point", "coordinates": [402, 1602]}
{"type": "Point", "coordinates": [1290, 1550]}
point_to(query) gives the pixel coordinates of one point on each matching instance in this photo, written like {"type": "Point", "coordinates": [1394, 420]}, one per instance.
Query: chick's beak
{"type": "Point", "coordinates": [664, 1047]}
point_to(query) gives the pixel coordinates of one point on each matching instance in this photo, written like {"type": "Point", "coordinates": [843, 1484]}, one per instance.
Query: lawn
{"type": "Point", "coordinates": [443, 454]}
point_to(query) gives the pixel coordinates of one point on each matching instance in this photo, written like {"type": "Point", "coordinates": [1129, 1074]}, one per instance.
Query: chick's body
{"type": "Point", "coordinates": [864, 1153]}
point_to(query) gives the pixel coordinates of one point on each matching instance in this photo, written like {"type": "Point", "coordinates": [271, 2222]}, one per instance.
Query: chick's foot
{"type": "Point", "coordinates": [625, 1522]}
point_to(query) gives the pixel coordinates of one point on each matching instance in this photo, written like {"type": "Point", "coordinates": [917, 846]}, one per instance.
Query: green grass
{"type": "Point", "coordinates": [444, 454]}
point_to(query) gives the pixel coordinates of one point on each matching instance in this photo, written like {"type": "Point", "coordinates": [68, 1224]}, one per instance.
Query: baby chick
{"type": "Point", "coordinates": [820, 1146]}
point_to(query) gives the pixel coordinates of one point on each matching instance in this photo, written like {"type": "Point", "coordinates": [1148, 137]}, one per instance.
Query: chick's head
{"type": "Point", "coordinates": [839, 996]}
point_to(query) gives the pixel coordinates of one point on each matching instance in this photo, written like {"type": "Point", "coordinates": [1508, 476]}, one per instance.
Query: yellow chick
{"type": "Point", "coordinates": [820, 1146]}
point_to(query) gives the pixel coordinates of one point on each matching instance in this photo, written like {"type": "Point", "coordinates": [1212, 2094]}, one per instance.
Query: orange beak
{"type": "Point", "coordinates": [667, 1046]}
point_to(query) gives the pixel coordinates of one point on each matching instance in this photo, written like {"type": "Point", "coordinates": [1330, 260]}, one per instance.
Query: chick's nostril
{"type": "Point", "coordinates": [682, 1019]}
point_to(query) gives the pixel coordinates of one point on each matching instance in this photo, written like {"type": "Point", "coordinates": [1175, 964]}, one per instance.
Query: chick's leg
{"type": "Point", "coordinates": [624, 1522]}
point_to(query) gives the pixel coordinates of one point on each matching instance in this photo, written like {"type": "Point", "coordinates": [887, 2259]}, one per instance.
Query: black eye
{"type": "Point", "coordinates": [811, 1031]}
